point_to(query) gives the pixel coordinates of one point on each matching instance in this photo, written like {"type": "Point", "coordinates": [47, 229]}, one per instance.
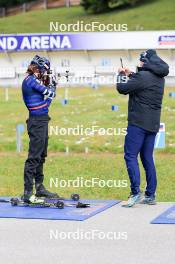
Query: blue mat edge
{"type": "Point", "coordinates": [113, 203]}
{"type": "Point", "coordinates": [158, 220]}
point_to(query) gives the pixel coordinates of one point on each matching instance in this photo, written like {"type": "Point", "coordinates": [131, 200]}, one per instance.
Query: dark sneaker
{"type": "Point", "coordinates": [148, 200]}
{"type": "Point", "coordinates": [133, 199]}
{"type": "Point", "coordinates": [41, 191]}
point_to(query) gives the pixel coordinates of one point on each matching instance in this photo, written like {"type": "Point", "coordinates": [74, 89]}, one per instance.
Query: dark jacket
{"type": "Point", "coordinates": [145, 89]}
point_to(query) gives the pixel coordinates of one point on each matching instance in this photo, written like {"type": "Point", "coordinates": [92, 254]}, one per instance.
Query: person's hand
{"type": "Point", "coordinates": [125, 71]}
{"type": "Point", "coordinates": [121, 70]}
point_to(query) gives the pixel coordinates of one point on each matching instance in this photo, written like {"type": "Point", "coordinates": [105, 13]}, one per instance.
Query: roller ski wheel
{"type": "Point", "coordinates": [75, 197]}
{"type": "Point", "coordinates": [14, 201]}
{"type": "Point", "coordinates": [60, 205]}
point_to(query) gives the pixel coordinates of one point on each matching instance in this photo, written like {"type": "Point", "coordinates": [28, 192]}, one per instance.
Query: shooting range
{"type": "Point", "coordinates": [70, 187]}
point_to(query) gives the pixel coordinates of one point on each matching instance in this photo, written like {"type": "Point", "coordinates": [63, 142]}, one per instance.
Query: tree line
{"type": "Point", "coordinates": [91, 6]}
{"type": "Point", "coordinates": [100, 6]}
{"type": "Point", "coordinates": [9, 3]}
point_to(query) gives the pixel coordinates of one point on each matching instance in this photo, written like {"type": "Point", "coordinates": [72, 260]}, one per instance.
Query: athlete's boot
{"type": "Point", "coordinates": [41, 191]}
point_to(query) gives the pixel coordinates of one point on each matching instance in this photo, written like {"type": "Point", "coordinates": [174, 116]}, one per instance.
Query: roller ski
{"type": "Point", "coordinates": [30, 198]}
{"type": "Point", "coordinates": [41, 203]}
{"type": "Point", "coordinates": [52, 200]}
{"type": "Point", "coordinates": [34, 201]}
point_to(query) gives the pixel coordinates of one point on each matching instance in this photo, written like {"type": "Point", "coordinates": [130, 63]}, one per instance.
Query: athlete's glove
{"type": "Point", "coordinates": [51, 94]}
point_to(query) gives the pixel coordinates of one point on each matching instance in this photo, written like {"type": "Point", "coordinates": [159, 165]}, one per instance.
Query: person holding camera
{"type": "Point", "coordinates": [145, 89]}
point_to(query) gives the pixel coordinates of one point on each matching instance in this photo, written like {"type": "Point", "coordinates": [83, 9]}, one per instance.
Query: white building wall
{"type": "Point", "coordinates": [13, 65]}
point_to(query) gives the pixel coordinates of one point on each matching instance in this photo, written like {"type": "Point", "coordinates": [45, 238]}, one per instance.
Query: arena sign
{"type": "Point", "coordinates": [88, 41]}
{"type": "Point", "coordinates": [34, 42]}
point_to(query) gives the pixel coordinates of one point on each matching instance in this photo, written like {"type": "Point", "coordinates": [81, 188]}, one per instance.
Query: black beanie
{"type": "Point", "coordinates": [147, 54]}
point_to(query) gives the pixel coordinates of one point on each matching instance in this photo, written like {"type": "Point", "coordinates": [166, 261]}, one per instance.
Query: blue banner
{"type": "Point", "coordinates": [86, 41]}
{"type": "Point", "coordinates": [35, 42]}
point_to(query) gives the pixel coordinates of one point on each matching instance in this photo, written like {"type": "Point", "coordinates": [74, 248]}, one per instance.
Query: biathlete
{"type": "Point", "coordinates": [37, 98]}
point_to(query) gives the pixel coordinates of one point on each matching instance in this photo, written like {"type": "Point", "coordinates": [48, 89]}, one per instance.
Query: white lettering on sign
{"type": "Point", "coordinates": [3, 43]}
{"type": "Point", "coordinates": [35, 43]}
{"type": "Point", "coordinates": [45, 42]}
{"type": "Point", "coordinates": [66, 43]}
{"type": "Point", "coordinates": [55, 42]}
{"type": "Point", "coordinates": [25, 43]}
{"type": "Point", "coordinates": [9, 43]}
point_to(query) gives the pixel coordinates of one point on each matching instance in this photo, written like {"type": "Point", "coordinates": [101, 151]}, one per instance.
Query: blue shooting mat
{"type": "Point", "coordinates": [68, 213]}
{"type": "Point", "coordinates": [168, 217]}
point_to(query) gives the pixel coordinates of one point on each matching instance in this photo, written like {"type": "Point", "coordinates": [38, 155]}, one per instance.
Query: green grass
{"type": "Point", "coordinates": [151, 15]}
{"type": "Point", "coordinates": [101, 166]}
{"type": "Point", "coordinates": [105, 158]}
{"type": "Point", "coordinates": [87, 108]}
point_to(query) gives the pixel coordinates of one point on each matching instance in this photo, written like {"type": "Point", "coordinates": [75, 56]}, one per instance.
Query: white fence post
{"type": "Point", "coordinates": [24, 7]}
{"type": "Point", "coordinates": [6, 94]}
{"type": "Point", "coordinates": [86, 150]}
{"type": "Point", "coordinates": [45, 4]}
{"type": "Point", "coordinates": [19, 131]}
{"type": "Point", "coordinates": [3, 11]}
{"type": "Point", "coordinates": [67, 3]}
{"type": "Point", "coordinates": [67, 150]}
